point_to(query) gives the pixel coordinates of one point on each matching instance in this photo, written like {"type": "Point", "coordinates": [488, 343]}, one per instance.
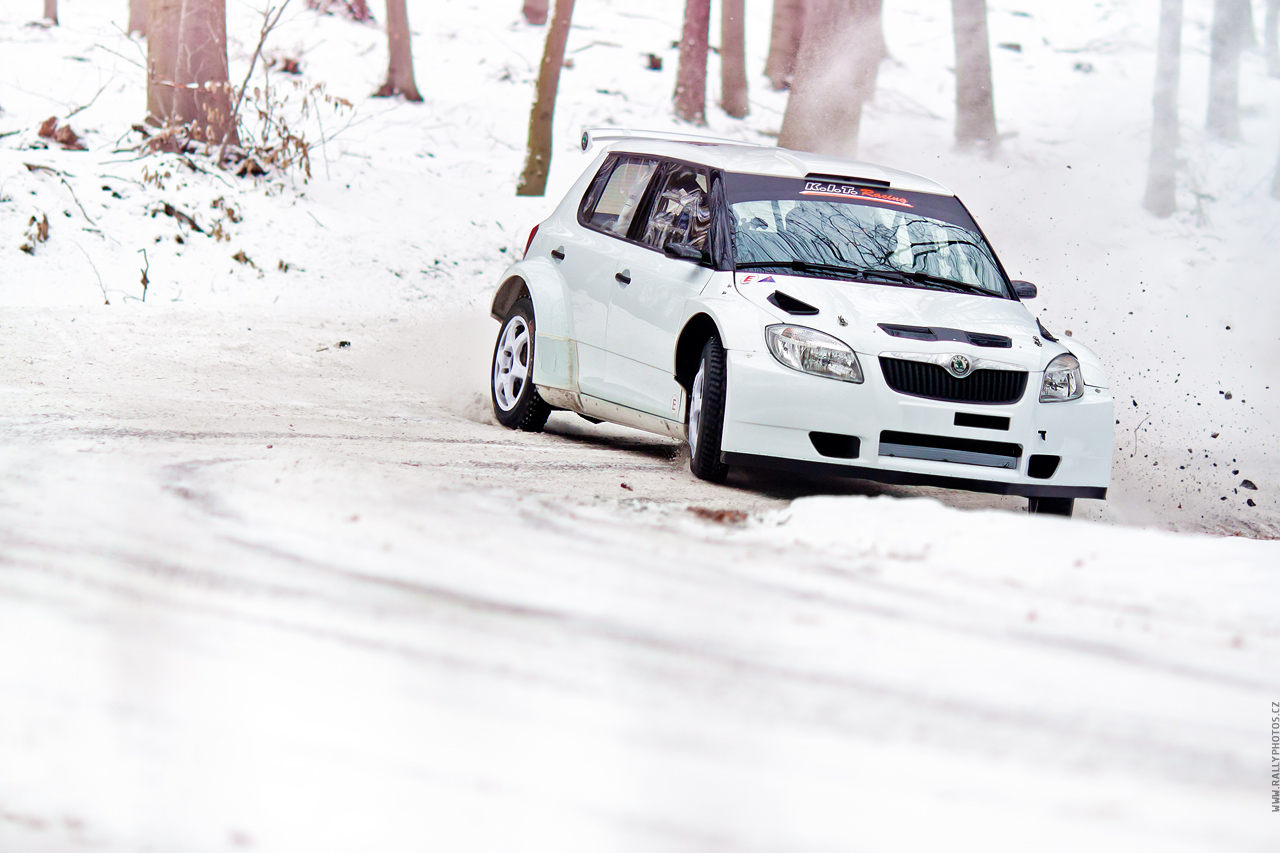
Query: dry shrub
{"type": "Point", "coordinates": [193, 137]}
{"type": "Point", "coordinates": [276, 127]}
{"type": "Point", "coordinates": [281, 118]}
{"type": "Point", "coordinates": [356, 10]}
{"type": "Point", "coordinates": [37, 233]}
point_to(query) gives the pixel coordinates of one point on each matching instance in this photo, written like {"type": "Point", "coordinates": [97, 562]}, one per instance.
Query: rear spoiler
{"type": "Point", "coordinates": [593, 135]}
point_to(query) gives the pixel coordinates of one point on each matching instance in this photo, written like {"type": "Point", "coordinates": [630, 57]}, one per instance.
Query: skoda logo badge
{"type": "Point", "coordinates": [958, 366]}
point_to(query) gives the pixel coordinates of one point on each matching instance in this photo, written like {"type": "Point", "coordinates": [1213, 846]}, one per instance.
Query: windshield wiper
{"type": "Point", "coordinates": [928, 280]}
{"type": "Point", "coordinates": [833, 269]}
{"type": "Point", "coordinates": [900, 277]}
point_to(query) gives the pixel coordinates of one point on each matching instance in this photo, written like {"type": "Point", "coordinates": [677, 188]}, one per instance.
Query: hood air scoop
{"type": "Point", "coordinates": [925, 333]}
{"type": "Point", "coordinates": [790, 304]}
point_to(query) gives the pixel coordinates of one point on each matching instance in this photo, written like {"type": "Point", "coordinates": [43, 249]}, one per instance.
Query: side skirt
{"type": "Point", "coordinates": [611, 412]}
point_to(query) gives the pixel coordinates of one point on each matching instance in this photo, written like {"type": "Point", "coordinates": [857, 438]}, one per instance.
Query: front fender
{"type": "Point", "coordinates": [724, 313]}
{"type": "Point", "coordinates": [738, 321]}
{"type": "Point", "coordinates": [1092, 370]}
{"type": "Point", "coordinates": [554, 354]}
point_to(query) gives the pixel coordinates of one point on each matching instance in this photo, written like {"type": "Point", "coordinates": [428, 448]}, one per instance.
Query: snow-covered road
{"type": "Point", "coordinates": [262, 592]}
{"type": "Point", "coordinates": [259, 594]}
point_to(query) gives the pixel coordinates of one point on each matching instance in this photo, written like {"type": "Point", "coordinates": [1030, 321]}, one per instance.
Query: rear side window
{"type": "Point", "coordinates": [681, 212]}
{"type": "Point", "coordinates": [620, 197]}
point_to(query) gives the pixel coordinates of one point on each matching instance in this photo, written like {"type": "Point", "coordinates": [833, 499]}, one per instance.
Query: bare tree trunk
{"type": "Point", "coordinates": [1273, 37]}
{"type": "Point", "coordinates": [835, 75]}
{"type": "Point", "coordinates": [691, 77]}
{"type": "Point", "coordinates": [51, 10]}
{"type": "Point", "coordinates": [533, 181]}
{"type": "Point", "coordinates": [400, 62]}
{"type": "Point", "coordinates": [975, 102]}
{"type": "Point", "coordinates": [138, 17]}
{"type": "Point", "coordinates": [733, 59]}
{"type": "Point", "coordinates": [1162, 169]}
{"type": "Point", "coordinates": [187, 67]}
{"type": "Point", "coordinates": [784, 42]}
{"type": "Point", "coordinates": [1227, 40]}
{"type": "Point", "coordinates": [1275, 183]}
{"type": "Point", "coordinates": [535, 11]}
{"type": "Point", "coordinates": [1248, 28]}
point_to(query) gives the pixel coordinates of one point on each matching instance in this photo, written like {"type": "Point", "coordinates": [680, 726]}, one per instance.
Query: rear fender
{"type": "Point", "coordinates": [555, 362]}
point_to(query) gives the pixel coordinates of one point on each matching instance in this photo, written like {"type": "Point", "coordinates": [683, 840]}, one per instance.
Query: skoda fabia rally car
{"type": "Point", "coordinates": [789, 311]}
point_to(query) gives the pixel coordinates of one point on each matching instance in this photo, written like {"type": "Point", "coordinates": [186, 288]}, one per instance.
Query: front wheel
{"type": "Point", "coordinates": [516, 403]}
{"type": "Point", "coordinates": [1051, 506]}
{"type": "Point", "coordinates": [705, 424]}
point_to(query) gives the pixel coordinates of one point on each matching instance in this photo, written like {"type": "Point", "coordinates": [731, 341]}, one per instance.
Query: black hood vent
{"type": "Point", "coordinates": [925, 333]}
{"type": "Point", "coordinates": [980, 340]}
{"type": "Point", "coordinates": [790, 304]}
{"type": "Point", "coordinates": [915, 333]}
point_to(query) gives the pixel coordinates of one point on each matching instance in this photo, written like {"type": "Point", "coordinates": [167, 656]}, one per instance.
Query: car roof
{"type": "Point", "coordinates": [780, 162]}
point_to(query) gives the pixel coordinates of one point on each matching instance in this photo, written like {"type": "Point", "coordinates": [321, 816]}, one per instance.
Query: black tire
{"type": "Point", "coordinates": [1051, 506]}
{"type": "Point", "coordinates": [709, 385]}
{"type": "Point", "coordinates": [516, 403]}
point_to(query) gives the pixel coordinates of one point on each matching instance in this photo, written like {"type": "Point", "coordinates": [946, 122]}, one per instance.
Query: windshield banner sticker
{"type": "Point", "coordinates": [846, 191]}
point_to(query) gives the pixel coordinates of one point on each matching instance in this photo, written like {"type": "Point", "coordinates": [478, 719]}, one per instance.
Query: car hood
{"type": "Point", "coordinates": [864, 306]}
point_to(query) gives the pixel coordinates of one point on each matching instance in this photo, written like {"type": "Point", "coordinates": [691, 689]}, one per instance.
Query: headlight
{"type": "Point", "coordinates": [813, 352]}
{"type": "Point", "coordinates": [1062, 380]}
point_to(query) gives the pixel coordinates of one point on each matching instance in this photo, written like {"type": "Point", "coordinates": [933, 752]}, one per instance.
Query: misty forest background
{"type": "Point", "coordinates": [825, 52]}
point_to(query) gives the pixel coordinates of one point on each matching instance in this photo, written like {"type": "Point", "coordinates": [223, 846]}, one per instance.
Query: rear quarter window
{"type": "Point", "coordinates": [615, 203]}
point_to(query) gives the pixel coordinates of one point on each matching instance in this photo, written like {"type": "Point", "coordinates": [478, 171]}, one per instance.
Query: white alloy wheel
{"type": "Point", "coordinates": [511, 365]}
{"type": "Point", "coordinates": [695, 407]}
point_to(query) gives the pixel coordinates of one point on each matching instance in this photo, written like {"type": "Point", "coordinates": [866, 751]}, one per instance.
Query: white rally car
{"type": "Point", "coordinates": [796, 312]}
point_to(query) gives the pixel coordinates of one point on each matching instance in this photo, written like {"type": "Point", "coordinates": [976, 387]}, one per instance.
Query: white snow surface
{"type": "Point", "coordinates": [259, 591]}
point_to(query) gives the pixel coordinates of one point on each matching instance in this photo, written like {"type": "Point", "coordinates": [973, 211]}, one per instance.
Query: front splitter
{"type": "Point", "coordinates": [911, 478]}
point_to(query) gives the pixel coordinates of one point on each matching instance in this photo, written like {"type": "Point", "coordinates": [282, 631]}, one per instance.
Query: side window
{"type": "Point", "coordinates": [620, 196]}
{"type": "Point", "coordinates": [681, 210]}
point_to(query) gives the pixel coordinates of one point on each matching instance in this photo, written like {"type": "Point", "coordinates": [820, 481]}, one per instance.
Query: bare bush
{"type": "Point", "coordinates": [37, 233]}
{"type": "Point", "coordinates": [281, 115]}
{"type": "Point", "coordinates": [356, 10]}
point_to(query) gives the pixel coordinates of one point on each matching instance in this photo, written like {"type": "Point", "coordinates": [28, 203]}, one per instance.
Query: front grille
{"type": "Point", "coordinates": [922, 379]}
{"type": "Point", "coordinates": [942, 448]}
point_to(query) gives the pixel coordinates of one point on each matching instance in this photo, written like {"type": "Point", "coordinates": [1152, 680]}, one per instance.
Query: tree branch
{"type": "Point", "coordinates": [268, 24]}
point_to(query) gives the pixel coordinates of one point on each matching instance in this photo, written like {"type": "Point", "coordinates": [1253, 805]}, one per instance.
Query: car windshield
{"type": "Point", "coordinates": [868, 234]}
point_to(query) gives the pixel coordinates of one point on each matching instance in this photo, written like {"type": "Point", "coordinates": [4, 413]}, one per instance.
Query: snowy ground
{"type": "Point", "coordinates": [260, 591]}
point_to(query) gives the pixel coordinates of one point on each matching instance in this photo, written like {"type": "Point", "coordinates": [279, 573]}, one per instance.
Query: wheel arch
{"type": "Point", "coordinates": [554, 361]}
{"type": "Point", "coordinates": [697, 330]}
{"type": "Point", "coordinates": [544, 286]}
{"type": "Point", "coordinates": [508, 292]}
{"type": "Point", "coordinates": [731, 318]}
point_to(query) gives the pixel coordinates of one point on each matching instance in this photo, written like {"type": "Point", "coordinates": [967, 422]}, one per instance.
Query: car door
{"type": "Point", "coordinates": [649, 292]}
{"type": "Point", "coordinates": [588, 256]}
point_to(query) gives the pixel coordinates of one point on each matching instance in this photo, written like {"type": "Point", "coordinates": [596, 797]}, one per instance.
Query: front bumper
{"type": "Point", "coordinates": [772, 411]}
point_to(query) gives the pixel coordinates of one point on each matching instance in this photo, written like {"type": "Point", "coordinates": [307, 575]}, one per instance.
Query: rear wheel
{"type": "Point", "coordinates": [516, 403]}
{"type": "Point", "coordinates": [706, 414]}
{"type": "Point", "coordinates": [1051, 506]}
